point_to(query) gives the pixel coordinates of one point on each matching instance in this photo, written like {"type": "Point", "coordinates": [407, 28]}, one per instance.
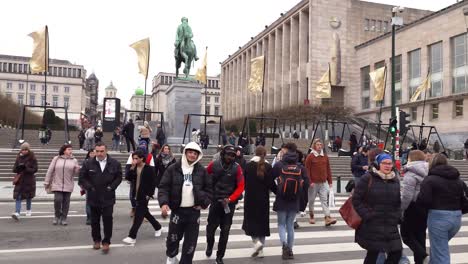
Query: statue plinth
{"type": "Point", "coordinates": [183, 98]}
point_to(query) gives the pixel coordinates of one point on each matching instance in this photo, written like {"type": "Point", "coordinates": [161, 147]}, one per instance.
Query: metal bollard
{"type": "Point", "coordinates": [338, 185]}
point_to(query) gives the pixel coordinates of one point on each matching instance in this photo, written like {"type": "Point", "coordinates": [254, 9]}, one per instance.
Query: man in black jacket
{"type": "Point", "coordinates": [359, 164]}
{"type": "Point", "coordinates": [128, 132]}
{"type": "Point", "coordinates": [228, 185]}
{"type": "Point", "coordinates": [100, 177]}
{"type": "Point", "coordinates": [185, 189]}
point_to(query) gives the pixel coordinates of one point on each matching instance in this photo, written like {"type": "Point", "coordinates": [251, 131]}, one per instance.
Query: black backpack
{"type": "Point", "coordinates": [290, 182]}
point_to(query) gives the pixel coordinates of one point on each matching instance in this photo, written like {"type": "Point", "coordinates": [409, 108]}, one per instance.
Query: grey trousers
{"type": "Point", "coordinates": [322, 190]}
{"type": "Point", "coordinates": [61, 204]}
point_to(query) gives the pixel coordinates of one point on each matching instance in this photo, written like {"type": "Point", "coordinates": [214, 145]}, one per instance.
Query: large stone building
{"type": "Point", "coordinates": [353, 37]}
{"type": "Point", "coordinates": [65, 81]}
{"type": "Point", "coordinates": [163, 80]}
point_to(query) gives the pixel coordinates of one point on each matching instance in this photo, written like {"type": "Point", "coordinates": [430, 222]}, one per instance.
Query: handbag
{"type": "Point", "coordinates": [16, 179]}
{"type": "Point", "coordinates": [349, 214]}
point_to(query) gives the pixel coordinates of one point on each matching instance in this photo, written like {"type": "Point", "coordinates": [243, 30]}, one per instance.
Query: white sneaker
{"type": "Point", "coordinates": [158, 233]}
{"type": "Point", "coordinates": [427, 260]}
{"type": "Point", "coordinates": [173, 260]}
{"type": "Point", "coordinates": [261, 254]}
{"type": "Point", "coordinates": [28, 213]}
{"type": "Point", "coordinates": [257, 248]}
{"type": "Point", "coordinates": [303, 214]}
{"type": "Point", "coordinates": [129, 240]}
{"type": "Point", "coordinates": [15, 216]}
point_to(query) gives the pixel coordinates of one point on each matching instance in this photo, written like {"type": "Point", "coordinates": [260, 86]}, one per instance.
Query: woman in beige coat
{"type": "Point", "coordinates": [60, 180]}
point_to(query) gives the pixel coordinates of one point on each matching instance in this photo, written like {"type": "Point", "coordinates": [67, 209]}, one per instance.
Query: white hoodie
{"type": "Point", "coordinates": [187, 169]}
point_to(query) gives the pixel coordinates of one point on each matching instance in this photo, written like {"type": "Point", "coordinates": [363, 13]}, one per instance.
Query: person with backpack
{"type": "Point", "coordinates": [228, 185]}
{"type": "Point", "coordinates": [291, 181]}
{"type": "Point", "coordinates": [318, 168]}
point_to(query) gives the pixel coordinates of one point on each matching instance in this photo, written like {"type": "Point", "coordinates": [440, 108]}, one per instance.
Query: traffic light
{"type": "Point", "coordinates": [404, 122]}
{"type": "Point", "coordinates": [392, 128]}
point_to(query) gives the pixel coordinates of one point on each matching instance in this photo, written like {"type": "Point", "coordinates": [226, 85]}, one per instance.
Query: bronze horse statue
{"type": "Point", "coordinates": [185, 49]}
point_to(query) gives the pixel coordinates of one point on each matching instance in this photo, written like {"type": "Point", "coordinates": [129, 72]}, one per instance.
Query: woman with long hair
{"type": "Point", "coordinates": [164, 159]}
{"type": "Point", "coordinates": [442, 193]}
{"type": "Point", "coordinates": [25, 168]}
{"type": "Point", "coordinates": [258, 183]}
{"type": "Point", "coordinates": [60, 180]}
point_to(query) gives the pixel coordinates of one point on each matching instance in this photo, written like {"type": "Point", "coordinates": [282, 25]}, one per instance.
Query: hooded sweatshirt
{"type": "Point", "coordinates": [187, 169]}
{"type": "Point", "coordinates": [415, 172]}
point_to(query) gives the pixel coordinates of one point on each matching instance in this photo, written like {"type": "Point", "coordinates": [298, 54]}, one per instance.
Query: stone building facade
{"type": "Point", "coordinates": [65, 81]}
{"type": "Point", "coordinates": [298, 48]}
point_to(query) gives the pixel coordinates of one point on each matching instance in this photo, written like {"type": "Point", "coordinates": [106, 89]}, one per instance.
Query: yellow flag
{"type": "Point", "coordinates": [257, 68]}
{"type": "Point", "coordinates": [201, 75]}
{"type": "Point", "coordinates": [424, 86]}
{"type": "Point", "coordinates": [142, 49]}
{"type": "Point", "coordinates": [40, 57]}
{"type": "Point", "coordinates": [378, 78]}
{"type": "Point", "coordinates": [324, 85]}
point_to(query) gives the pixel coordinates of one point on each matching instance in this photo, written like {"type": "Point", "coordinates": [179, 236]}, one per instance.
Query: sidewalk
{"type": "Point", "coordinates": [6, 192]}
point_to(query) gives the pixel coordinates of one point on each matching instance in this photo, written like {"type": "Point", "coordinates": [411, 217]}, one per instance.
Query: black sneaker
{"type": "Point", "coordinates": [296, 225]}
{"type": "Point", "coordinates": [209, 251]}
{"type": "Point", "coordinates": [285, 254]}
{"type": "Point", "coordinates": [219, 261]}
{"type": "Point", "coordinates": [290, 254]}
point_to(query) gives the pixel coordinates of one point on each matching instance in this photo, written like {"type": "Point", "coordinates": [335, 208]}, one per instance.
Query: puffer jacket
{"type": "Point", "coordinates": [379, 206]}
{"type": "Point", "coordinates": [61, 173]}
{"type": "Point", "coordinates": [415, 172]}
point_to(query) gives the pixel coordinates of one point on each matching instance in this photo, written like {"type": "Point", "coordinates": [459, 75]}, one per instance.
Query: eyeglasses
{"type": "Point", "coordinates": [386, 163]}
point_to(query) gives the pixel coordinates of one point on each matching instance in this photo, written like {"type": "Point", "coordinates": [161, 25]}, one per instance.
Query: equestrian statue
{"type": "Point", "coordinates": [185, 50]}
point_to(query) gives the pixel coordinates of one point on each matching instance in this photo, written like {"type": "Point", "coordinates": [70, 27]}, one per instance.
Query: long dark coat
{"type": "Point", "coordinates": [257, 200]}
{"type": "Point", "coordinates": [27, 183]}
{"type": "Point", "coordinates": [379, 208]}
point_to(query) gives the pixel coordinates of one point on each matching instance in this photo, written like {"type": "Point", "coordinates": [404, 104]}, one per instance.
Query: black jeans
{"type": "Point", "coordinates": [392, 257]}
{"type": "Point", "coordinates": [217, 217]}
{"type": "Point", "coordinates": [184, 222]}
{"type": "Point", "coordinates": [61, 204]}
{"type": "Point", "coordinates": [106, 213]}
{"type": "Point", "coordinates": [413, 231]}
{"type": "Point", "coordinates": [130, 140]}
{"type": "Point", "coordinates": [142, 212]}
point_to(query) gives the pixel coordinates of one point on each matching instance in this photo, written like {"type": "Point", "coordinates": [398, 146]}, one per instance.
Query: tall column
{"type": "Point", "coordinates": [247, 78]}
{"type": "Point", "coordinates": [294, 60]}
{"type": "Point", "coordinates": [244, 84]}
{"type": "Point", "coordinates": [271, 74]}
{"type": "Point", "coordinates": [303, 54]}
{"type": "Point", "coordinates": [223, 90]}
{"type": "Point", "coordinates": [278, 68]}
{"type": "Point", "coordinates": [286, 73]}
{"type": "Point", "coordinates": [234, 88]}
{"type": "Point", "coordinates": [238, 87]}
{"type": "Point", "coordinates": [230, 101]}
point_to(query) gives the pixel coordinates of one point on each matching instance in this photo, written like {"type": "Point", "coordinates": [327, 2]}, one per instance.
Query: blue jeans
{"type": "Point", "coordinates": [115, 144]}
{"type": "Point", "coordinates": [442, 226]}
{"type": "Point", "coordinates": [286, 225]}
{"type": "Point", "coordinates": [18, 204]}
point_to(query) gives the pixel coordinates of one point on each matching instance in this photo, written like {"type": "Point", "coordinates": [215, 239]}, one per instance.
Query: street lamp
{"type": "Point", "coordinates": [396, 21]}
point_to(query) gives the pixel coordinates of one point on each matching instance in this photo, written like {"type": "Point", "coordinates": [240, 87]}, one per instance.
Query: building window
{"type": "Point", "coordinates": [42, 100]}
{"type": "Point", "coordinates": [435, 56]}
{"type": "Point", "coordinates": [21, 86]}
{"type": "Point", "coordinates": [365, 87]}
{"type": "Point", "coordinates": [372, 25]}
{"type": "Point", "coordinates": [435, 111]}
{"type": "Point", "coordinates": [21, 68]}
{"type": "Point", "coordinates": [207, 110]}
{"type": "Point", "coordinates": [208, 99]}
{"type": "Point", "coordinates": [379, 25]}
{"type": "Point", "coordinates": [66, 89]}
{"type": "Point", "coordinates": [366, 24]}
{"type": "Point", "coordinates": [55, 101]}
{"type": "Point", "coordinates": [217, 99]}
{"type": "Point", "coordinates": [32, 99]}
{"type": "Point", "coordinates": [414, 71]}
{"type": "Point", "coordinates": [20, 99]}
{"type": "Point", "coordinates": [414, 113]}
{"type": "Point", "coordinates": [74, 73]}
{"type": "Point", "coordinates": [60, 71]}
{"type": "Point", "coordinates": [55, 88]}
{"type": "Point", "coordinates": [33, 87]}
{"type": "Point", "coordinates": [216, 110]}
{"type": "Point", "coordinates": [43, 88]}
{"type": "Point", "coordinates": [459, 108]}
{"type": "Point", "coordinates": [66, 101]}
{"type": "Point", "coordinates": [69, 72]}
{"type": "Point", "coordinates": [459, 64]}
{"type": "Point", "coordinates": [9, 96]}
{"type": "Point", "coordinates": [9, 86]}
{"type": "Point", "coordinates": [79, 73]}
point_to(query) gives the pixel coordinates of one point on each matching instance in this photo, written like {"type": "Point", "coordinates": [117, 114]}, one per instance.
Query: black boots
{"type": "Point", "coordinates": [287, 253]}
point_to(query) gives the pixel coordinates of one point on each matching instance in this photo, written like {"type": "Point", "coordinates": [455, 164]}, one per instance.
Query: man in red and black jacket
{"type": "Point", "coordinates": [228, 185]}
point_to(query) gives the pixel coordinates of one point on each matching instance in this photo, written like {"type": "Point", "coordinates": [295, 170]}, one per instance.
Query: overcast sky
{"type": "Point", "coordinates": [97, 34]}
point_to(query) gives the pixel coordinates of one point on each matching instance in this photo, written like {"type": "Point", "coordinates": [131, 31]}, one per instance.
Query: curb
{"type": "Point", "coordinates": [51, 199]}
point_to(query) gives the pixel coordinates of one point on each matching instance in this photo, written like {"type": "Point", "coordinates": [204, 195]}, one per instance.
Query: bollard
{"type": "Point", "coordinates": [338, 185]}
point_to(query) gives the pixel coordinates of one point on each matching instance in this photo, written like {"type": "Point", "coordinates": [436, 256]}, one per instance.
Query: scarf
{"type": "Point", "coordinates": [384, 176]}
{"type": "Point", "coordinates": [316, 154]}
{"type": "Point", "coordinates": [166, 159]}
{"type": "Point", "coordinates": [257, 159]}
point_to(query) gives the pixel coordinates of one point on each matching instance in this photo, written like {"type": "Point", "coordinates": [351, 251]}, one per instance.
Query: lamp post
{"type": "Point", "coordinates": [396, 21]}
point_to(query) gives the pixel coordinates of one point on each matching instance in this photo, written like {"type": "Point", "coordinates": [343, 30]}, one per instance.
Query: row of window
{"type": "Point", "coordinates": [416, 75]}
{"type": "Point", "coordinates": [216, 110]}
{"type": "Point", "coordinates": [20, 99]}
{"type": "Point", "coordinates": [170, 80]}
{"type": "Point", "coordinates": [9, 67]}
{"type": "Point", "coordinates": [216, 99]}
{"type": "Point", "coordinates": [32, 87]}
{"type": "Point", "coordinates": [457, 110]}
{"type": "Point", "coordinates": [376, 25]}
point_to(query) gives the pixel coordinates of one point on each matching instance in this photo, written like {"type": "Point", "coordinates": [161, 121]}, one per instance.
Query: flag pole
{"type": "Point", "coordinates": [206, 90]}
{"type": "Point", "coordinates": [424, 108]}
{"type": "Point", "coordinates": [263, 93]}
{"type": "Point", "coordinates": [45, 72]}
{"type": "Point", "coordinates": [146, 80]}
{"type": "Point", "coordinates": [381, 103]}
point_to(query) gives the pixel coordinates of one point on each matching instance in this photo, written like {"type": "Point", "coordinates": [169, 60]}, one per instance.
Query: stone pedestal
{"type": "Point", "coordinates": [183, 98]}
